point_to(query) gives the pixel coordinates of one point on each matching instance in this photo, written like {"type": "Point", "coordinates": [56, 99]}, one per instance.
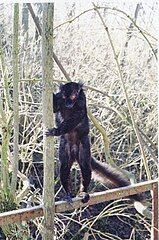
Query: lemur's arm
{"type": "Point", "coordinates": [67, 125]}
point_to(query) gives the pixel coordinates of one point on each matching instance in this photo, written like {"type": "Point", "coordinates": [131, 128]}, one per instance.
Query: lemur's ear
{"type": "Point", "coordinates": [60, 87]}
{"type": "Point", "coordinates": [80, 85]}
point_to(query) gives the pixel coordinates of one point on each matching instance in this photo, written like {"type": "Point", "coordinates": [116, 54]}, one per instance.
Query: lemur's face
{"type": "Point", "coordinates": [70, 93]}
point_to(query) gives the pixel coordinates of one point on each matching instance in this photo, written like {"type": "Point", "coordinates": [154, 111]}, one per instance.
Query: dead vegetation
{"type": "Point", "coordinates": [117, 64]}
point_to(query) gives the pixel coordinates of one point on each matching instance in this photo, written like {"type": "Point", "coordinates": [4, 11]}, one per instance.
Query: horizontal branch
{"type": "Point", "coordinates": [62, 206]}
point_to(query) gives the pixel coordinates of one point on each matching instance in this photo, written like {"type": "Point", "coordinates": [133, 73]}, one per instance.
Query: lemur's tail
{"type": "Point", "coordinates": [111, 177]}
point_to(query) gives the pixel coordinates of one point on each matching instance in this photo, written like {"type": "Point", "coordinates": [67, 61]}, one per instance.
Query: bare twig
{"type": "Point", "coordinates": [74, 18]}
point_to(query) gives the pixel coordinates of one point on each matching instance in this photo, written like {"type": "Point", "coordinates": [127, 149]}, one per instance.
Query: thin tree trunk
{"type": "Point", "coordinates": [47, 71]}
{"type": "Point", "coordinates": [15, 98]}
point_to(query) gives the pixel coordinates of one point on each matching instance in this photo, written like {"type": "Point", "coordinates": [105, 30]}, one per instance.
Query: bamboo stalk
{"type": "Point", "coordinates": [47, 75]}
{"type": "Point", "coordinates": [15, 99]}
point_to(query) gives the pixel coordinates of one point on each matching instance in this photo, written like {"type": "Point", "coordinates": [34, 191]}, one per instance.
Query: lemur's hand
{"type": "Point", "coordinates": [51, 132]}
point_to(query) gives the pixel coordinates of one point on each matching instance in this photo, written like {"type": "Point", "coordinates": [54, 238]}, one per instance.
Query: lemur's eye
{"type": "Point", "coordinates": [63, 95]}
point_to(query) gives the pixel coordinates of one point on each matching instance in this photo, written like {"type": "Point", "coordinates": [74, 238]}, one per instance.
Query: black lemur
{"type": "Point", "coordinates": [69, 104]}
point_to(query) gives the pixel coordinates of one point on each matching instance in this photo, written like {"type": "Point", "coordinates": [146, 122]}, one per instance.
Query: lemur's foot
{"type": "Point", "coordinates": [85, 197]}
{"type": "Point", "coordinates": [68, 198]}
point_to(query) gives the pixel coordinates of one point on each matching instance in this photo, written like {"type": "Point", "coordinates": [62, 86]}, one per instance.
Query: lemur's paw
{"type": "Point", "coordinates": [85, 197]}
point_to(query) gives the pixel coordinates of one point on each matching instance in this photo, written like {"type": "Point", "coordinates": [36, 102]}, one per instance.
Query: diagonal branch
{"type": "Point", "coordinates": [126, 95]}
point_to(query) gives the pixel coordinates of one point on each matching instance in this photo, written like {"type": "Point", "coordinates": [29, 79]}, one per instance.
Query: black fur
{"type": "Point", "coordinates": [73, 129]}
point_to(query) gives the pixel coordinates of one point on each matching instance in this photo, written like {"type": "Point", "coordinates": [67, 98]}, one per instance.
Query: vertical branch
{"type": "Point", "coordinates": [47, 72]}
{"type": "Point", "coordinates": [15, 98]}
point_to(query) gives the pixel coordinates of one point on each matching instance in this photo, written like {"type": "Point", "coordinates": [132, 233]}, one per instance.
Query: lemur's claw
{"type": "Point", "coordinates": [50, 132]}
{"type": "Point", "coordinates": [85, 197]}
